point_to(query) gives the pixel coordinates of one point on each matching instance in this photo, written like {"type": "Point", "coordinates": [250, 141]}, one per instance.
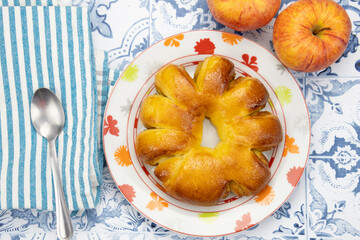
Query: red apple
{"type": "Point", "coordinates": [310, 35]}
{"type": "Point", "coordinates": [243, 15]}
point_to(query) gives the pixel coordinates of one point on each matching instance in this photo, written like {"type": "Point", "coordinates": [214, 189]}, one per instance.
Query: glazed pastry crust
{"type": "Point", "coordinates": [174, 118]}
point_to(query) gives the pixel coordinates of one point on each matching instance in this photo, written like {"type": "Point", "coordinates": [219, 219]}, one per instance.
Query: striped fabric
{"type": "Point", "coordinates": [47, 47]}
{"type": "Point", "coordinates": [102, 73]}
{"type": "Point", "coordinates": [105, 77]}
{"type": "Point", "coordinates": [27, 2]}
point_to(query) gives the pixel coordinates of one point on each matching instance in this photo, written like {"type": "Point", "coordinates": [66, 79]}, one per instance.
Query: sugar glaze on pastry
{"type": "Point", "coordinates": [174, 118]}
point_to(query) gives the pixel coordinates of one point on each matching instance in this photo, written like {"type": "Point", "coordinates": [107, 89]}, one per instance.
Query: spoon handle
{"type": "Point", "coordinates": [64, 226]}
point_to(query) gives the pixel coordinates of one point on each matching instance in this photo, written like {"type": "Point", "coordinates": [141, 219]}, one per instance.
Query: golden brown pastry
{"type": "Point", "coordinates": [174, 118]}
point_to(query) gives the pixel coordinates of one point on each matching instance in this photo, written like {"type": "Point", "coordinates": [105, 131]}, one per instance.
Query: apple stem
{"type": "Point", "coordinates": [317, 31]}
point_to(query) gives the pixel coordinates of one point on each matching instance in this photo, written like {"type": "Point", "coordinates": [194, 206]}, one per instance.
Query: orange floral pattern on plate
{"type": "Point", "coordinates": [265, 197]}
{"type": "Point", "coordinates": [128, 191]}
{"type": "Point", "coordinates": [243, 223]}
{"type": "Point", "coordinates": [157, 202]}
{"type": "Point", "coordinates": [231, 39]}
{"type": "Point", "coordinates": [174, 41]}
{"type": "Point", "coordinates": [294, 175]}
{"type": "Point", "coordinates": [290, 146]}
{"type": "Point", "coordinates": [122, 156]}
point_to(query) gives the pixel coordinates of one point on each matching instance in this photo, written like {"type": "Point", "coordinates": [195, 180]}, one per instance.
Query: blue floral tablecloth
{"type": "Point", "coordinates": [326, 202]}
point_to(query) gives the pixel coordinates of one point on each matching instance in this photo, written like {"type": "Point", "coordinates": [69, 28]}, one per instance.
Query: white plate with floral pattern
{"type": "Point", "coordinates": [137, 181]}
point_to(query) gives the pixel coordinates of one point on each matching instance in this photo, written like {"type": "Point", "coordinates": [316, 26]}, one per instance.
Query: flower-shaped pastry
{"type": "Point", "coordinates": [174, 118]}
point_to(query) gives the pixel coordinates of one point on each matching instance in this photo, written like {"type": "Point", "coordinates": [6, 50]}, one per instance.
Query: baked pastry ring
{"type": "Point", "coordinates": [174, 118]}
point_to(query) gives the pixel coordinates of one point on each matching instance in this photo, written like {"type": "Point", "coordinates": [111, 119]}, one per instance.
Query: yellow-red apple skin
{"type": "Point", "coordinates": [243, 15]}
{"type": "Point", "coordinates": [294, 42]}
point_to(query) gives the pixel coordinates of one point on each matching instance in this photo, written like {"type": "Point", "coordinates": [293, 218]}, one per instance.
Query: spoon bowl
{"type": "Point", "coordinates": [47, 116]}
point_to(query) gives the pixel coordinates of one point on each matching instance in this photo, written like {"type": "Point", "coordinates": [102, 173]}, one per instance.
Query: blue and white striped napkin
{"type": "Point", "coordinates": [27, 3]}
{"type": "Point", "coordinates": [50, 47]}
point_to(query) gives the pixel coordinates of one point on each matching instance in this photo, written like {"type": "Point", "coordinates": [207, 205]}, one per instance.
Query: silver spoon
{"type": "Point", "coordinates": [47, 116]}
